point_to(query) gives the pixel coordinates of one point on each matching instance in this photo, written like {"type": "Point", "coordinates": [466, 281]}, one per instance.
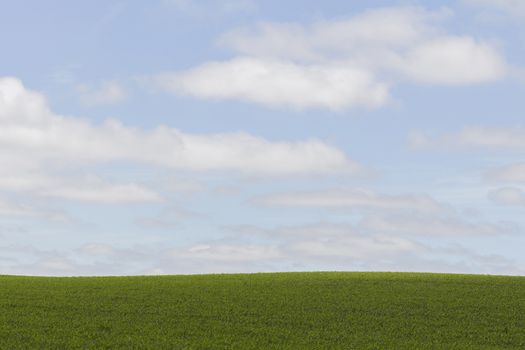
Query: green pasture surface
{"type": "Point", "coordinates": [322, 310]}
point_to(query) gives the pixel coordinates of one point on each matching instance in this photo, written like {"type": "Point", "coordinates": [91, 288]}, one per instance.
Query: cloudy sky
{"type": "Point", "coordinates": [185, 136]}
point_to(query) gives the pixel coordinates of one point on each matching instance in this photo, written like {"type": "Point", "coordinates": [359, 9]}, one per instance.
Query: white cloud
{"type": "Point", "coordinates": [453, 60]}
{"type": "Point", "coordinates": [340, 64]}
{"type": "Point", "coordinates": [511, 196]}
{"type": "Point", "coordinates": [109, 92]}
{"type": "Point", "coordinates": [46, 155]}
{"type": "Point", "coordinates": [279, 84]}
{"type": "Point", "coordinates": [34, 136]}
{"type": "Point", "coordinates": [355, 199]}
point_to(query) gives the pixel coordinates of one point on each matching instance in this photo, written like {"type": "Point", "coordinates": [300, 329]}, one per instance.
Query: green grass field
{"type": "Point", "coordinates": [264, 311]}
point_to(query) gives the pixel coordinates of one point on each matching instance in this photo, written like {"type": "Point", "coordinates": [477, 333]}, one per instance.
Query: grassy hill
{"type": "Point", "coordinates": [264, 311]}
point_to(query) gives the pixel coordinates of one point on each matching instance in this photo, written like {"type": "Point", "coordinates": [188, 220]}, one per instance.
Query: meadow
{"type": "Point", "coordinates": [321, 310]}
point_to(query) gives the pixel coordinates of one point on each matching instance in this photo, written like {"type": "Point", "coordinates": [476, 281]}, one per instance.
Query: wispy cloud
{"type": "Point", "coordinates": [486, 138]}
{"type": "Point", "coordinates": [510, 196]}
{"type": "Point", "coordinates": [511, 8]}
{"type": "Point", "coordinates": [509, 173]}
{"type": "Point", "coordinates": [205, 8]}
{"type": "Point", "coordinates": [109, 92]}
{"type": "Point", "coordinates": [359, 199]}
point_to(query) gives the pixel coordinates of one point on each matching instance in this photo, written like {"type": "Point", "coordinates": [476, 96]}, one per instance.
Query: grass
{"type": "Point", "coordinates": [322, 310]}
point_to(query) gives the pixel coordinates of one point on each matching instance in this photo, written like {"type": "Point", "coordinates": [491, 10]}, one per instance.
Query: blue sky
{"type": "Point", "coordinates": [182, 136]}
